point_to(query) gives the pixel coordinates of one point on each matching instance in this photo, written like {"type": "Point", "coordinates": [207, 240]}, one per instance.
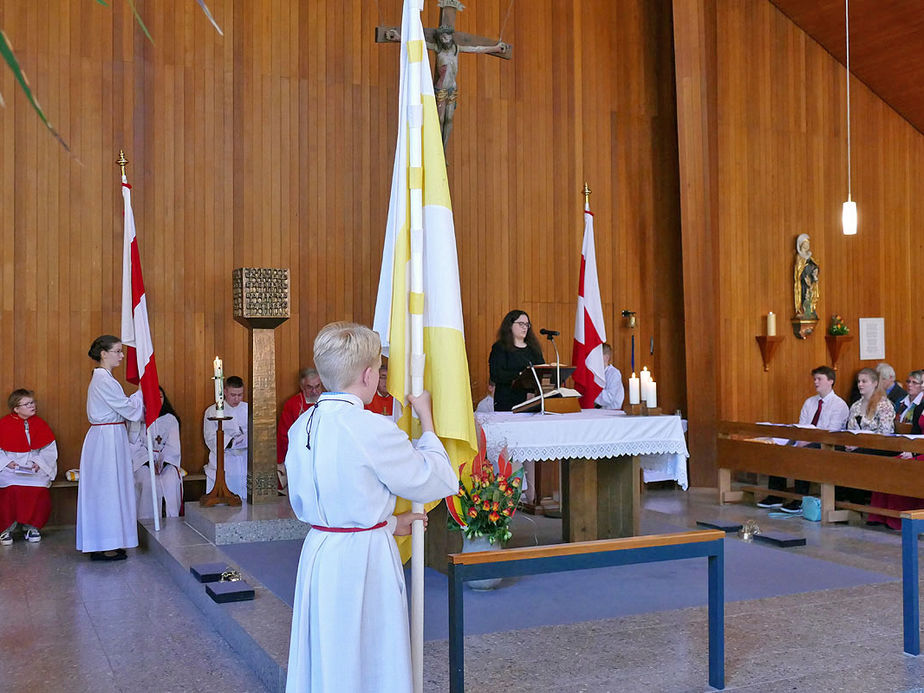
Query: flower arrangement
{"type": "Point", "coordinates": [838, 326]}
{"type": "Point", "coordinates": [486, 501]}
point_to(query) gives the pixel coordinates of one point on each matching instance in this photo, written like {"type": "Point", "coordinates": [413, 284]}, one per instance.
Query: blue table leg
{"type": "Point", "coordinates": [910, 601]}
{"type": "Point", "coordinates": [717, 618]}
{"type": "Point", "coordinates": [456, 633]}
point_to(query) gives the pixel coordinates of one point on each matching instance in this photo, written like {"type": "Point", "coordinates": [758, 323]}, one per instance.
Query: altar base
{"type": "Point", "coordinates": [273, 521]}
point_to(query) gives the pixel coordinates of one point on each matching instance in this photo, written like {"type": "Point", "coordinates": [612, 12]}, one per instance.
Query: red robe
{"type": "Point", "coordinates": [380, 404]}
{"type": "Point", "coordinates": [294, 407]}
{"type": "Point", "coordinates": [29, 505]}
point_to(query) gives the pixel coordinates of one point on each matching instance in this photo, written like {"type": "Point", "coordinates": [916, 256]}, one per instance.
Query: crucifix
{"type": "Point", "coordinates": [447, 43]}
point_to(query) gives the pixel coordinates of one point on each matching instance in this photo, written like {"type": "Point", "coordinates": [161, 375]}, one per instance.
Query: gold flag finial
{"type": "Point", "coordinates": [122, 162]}
{"type": "Point", "coordinates": [586, 192]}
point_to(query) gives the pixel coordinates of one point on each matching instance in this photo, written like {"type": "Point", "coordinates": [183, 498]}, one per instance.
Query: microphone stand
{"type": "Point", "coordinates": [551, 338]}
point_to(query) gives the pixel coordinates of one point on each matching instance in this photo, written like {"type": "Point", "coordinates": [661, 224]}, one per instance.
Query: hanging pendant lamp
{"type": "Point", "coordinates": [849, 211]}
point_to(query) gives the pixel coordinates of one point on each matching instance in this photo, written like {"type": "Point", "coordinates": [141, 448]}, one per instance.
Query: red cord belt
{"type": "Point", "coordinates": [349, 529]}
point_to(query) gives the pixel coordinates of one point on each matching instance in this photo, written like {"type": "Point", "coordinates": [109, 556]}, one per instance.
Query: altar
{"type": "Point", "coordinates": [601, 452]}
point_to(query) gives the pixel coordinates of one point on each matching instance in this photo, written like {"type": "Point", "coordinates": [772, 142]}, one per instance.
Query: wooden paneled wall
{"type": "Point", "coordinates": [273, 146]}
{"type": "Point", "coordinates": [780, 170]}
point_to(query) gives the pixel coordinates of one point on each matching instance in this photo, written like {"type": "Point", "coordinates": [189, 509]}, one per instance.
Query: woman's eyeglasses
{"type": "Point", "coordinates": [521, 323]}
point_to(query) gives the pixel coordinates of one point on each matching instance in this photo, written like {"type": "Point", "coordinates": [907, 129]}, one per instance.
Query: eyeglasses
{"type": "Point", "coordinates": [521, 323]}
{"type": "Point", "coordinates": [25, 404]}
{"type": "Point", "coordinates": [912, 382]}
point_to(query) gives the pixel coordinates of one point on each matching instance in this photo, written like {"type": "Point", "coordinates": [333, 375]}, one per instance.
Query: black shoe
{"type": "Point", "coordinates": [118, 555]}
{"type": "Point", "coordinates": [770, 502]}
{"type": "Point", "coordinates": [792, 506]}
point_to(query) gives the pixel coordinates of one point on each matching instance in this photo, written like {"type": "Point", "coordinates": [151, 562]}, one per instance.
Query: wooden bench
{"type": "Point", "coordinates": [600, 553]}
{"type": "Point", "coordinates": [912, 526]}
{"type": "Point", "coordinates": [738, 449]}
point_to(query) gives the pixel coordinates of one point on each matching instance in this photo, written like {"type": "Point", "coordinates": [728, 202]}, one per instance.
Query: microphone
{"type": "Point", "coordinates": [549, 333]}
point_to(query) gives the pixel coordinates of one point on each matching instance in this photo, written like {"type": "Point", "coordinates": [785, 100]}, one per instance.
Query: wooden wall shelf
{"type": "Point", "coordinates": [768, 347]}
{"type": "Point", "coordinates": [836, 343]}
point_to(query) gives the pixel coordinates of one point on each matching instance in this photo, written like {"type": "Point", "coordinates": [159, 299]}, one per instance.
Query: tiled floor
{"type": "Point", "coordinates": [67, 624]}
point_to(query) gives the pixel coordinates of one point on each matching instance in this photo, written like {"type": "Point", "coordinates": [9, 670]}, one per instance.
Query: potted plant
{"type": "Point", "coordinates": [484, 505]}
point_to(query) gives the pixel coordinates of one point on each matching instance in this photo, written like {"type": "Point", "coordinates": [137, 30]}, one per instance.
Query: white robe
{"type": "Point", "coordinates": [235, 456]}
{"type": "Point", "coordinates": [165, 440]}
{"type": "Point", "coordinates": [106, 516]}
{"type": "Point", "coordinates": [613, 393]}
{"type": "Point", "coordinates": [349, 622]}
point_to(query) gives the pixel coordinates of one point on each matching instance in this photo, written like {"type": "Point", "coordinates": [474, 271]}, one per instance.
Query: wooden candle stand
{"type": "Point", "coordinates": [220, 493]}
{"type": "Point", "coordinates": [643, 409]}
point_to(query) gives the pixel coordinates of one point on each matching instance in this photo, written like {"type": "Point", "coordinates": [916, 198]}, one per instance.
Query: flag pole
{"type": "Point", "coordinates": [418, 359]}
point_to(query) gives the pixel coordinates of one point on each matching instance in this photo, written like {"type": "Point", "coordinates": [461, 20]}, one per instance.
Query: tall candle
{"type": "Point", "coordinates": [652, 398]}
{"type": "Point", "coordinates": [219, 385]}
{"type": "Point", "coordinates": [771, 324]}
{"type": "Point", "coordinates": [633, 390]}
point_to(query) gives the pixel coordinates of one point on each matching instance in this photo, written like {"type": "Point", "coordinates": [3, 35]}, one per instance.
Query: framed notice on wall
{"type": "Point", "coordinates": [872, 338]}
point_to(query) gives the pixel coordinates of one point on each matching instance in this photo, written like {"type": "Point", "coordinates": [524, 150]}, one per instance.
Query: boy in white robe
{"type": "Point", "coordinates": [236, 441]}
{"type": "Point", "coordinates": [345, 466]}
{"type": "Point", "coordinates": [613, 393]}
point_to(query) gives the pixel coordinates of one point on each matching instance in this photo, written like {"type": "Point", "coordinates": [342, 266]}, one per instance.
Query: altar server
{"type": "Point", "coordinates": [345, 467]}
{"type": "Point", "coordinates": [235, 431]}
{"type": "Point", "coordinates": [309, 389]}
{"type": "Point", "coordinates": [165, 441]}
{"type": "Point", "coordinates": [106, 514]}
{"type": "Point", "coordinates": [382, 402]}
{"type": "Point", "coordinates": [613, 393]}
{"type": "Point", "coordinates": [28, 465]}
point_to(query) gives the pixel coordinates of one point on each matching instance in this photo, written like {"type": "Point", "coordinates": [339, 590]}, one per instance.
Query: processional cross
{"type": "Point", "coordinates": [447, 43]}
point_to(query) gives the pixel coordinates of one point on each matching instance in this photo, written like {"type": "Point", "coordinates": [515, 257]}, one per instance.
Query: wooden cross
{"type": "Point", "coordinates": [447, 43]}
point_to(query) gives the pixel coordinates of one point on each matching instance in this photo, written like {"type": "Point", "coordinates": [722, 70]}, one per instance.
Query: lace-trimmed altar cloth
{"type": "Point", "coordinates": [591, 434]}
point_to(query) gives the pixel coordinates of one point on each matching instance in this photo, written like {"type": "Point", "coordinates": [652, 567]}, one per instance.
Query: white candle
{"type": "Point", "coordinates": [771, 324]}
{"type": "Point", "coordinates": [633, 389]}
{"type": "Point", "coordinates": [652, 398]}
{"type": "Point", "coordinates": [219, 385]}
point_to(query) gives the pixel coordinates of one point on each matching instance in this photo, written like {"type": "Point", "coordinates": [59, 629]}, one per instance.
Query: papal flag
{"type": "Point", "coordinates": [418, 313]}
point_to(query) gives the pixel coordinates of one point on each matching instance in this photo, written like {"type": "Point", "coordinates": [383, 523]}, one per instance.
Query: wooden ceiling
{"type": "Point", "coordinates": [886, 45]}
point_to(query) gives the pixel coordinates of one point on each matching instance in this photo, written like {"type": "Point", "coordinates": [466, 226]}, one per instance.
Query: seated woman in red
{"type": "Point", "coordinates": [28, 465]}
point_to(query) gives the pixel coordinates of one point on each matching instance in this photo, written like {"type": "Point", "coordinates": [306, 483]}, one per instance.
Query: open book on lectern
{"type": "Point", "coordinates": [547, 377]}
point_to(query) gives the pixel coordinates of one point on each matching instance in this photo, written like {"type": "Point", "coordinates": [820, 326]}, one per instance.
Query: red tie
{"type": "Point", "coordinates": [817, 413]}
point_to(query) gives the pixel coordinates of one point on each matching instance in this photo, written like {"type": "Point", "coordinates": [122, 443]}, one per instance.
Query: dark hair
{"type": "Point", "coordinates": [17, 395]}
{"type": "Point", "coordinates": [100, 344]}
{"type": "Point", "coordinates": [234, 381]}
{"type": "Point", "coordinates": [167, 408]}
{"type": "Point", "coordinates": [826, 371]}
{"type": "Point", "coordinates": [505, 332]}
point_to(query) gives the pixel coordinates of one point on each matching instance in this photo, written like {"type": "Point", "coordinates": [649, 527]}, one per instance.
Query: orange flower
{"type": "Point", "coordinates": [502, 485]}
{"type": "Point", "coordinates": [495, 506]}
{"type": "Point", "coordinates": [508, 492]}
{"type": "Point", "coordinates": [473, 512]}
{"type": "Point", "coordinates": [476, 498]}
{"type": "Point", "coordinates": [515, 482]}
{"type": "Point", "coordinates": [494, 517]}
{"type": "Point", "coordinates": [505, 512]}
{"type": "Point", "coordinates": [486, 505]}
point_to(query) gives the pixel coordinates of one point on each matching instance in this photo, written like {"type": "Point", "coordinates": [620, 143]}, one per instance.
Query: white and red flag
{"type": "Point", "coordinates": [136, 333]}
{"type": "Point", "coordinates": [589, 330]}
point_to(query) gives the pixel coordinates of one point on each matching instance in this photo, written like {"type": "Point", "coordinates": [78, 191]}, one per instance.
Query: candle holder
{"type": "Point", "coordinates": [220, 493]}
{"type": "Point", "coordinates": [836, 344]}
{"type": "Point", "coordinates": [768, 347]}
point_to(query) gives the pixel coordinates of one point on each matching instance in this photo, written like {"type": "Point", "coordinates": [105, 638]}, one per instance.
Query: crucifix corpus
{"type": "Point", "coordinates": [447, 43]}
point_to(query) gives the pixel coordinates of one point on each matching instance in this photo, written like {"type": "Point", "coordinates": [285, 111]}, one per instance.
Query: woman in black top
{"type": "Point", "coordinates": [516, 348]}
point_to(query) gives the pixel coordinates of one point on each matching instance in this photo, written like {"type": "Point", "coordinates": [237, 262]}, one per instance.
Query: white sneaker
{"type": "Point", "coordinates": [6, 538]}
{"type": "Point", "coordinates": [33, 535]}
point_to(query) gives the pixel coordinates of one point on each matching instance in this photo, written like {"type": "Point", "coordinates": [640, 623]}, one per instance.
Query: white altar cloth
{"type": "Point", "coordinates": [591, 434]}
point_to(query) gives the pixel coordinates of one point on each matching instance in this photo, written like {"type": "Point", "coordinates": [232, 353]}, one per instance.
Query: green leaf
{"type": "Point", "coordinates": [131, 4]}
{"type": "Point", "coordinates": [6, 50]}
{"type": "Point", "coordinates": [102, 2]}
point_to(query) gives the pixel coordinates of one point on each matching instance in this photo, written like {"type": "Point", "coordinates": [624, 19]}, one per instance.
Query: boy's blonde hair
{"type": "Point", "coordinates": [342, 351]}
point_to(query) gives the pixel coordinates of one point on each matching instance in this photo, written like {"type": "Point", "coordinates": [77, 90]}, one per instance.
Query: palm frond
{"type": "Point", "coordinates": [208, 15]}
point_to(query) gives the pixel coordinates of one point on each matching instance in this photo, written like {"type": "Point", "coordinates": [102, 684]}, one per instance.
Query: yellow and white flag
{"type": "Point", "coordinates": [418, 313]}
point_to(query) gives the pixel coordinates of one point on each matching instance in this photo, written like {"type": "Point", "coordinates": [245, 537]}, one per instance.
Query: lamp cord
{"type": "Point", "coordinates": [847, 35]}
